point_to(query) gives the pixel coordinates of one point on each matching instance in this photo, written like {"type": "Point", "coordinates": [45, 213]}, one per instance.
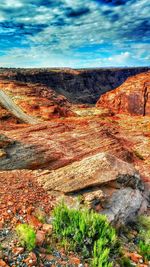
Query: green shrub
{"type": "Point", "coordinates": [26, 235]}
{"type": "Point", "coordinates": [84, 231]}
{"type": "Point", "coordinates": [144, 237]}
{"type": "Point", "coordinates": [101, 254]}
{"type": "Point", "coordinates": [144, 250]}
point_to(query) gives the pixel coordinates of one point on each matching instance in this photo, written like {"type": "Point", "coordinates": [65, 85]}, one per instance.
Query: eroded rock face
{"type": "Point", "coordinates": [91, 171]}
{"type": "Point", "coordinates": [84, 151]}
{"type": "Point", "coordinates": [55, 144]}
{"type": "Point", "coordinates": [78, 86]}
{"type": "Point", "coordinates": [124, 205]}
{"type": "Point", "coordinates": [36, 101]}
{"type": "Point", "coordinates": [132, 97]}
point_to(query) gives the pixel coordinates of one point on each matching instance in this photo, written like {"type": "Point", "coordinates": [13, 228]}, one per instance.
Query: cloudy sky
{"type": "Point", "coordinates": [74, 33]}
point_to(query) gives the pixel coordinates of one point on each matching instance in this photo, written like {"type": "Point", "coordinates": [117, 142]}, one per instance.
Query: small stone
{"type": "Point", "coordinates": [3, 264]}
{"type": "Point", "coordinates": [8, 211]}
{"type": "Point", "coordinates": [34, 221]}
{"type": "Point", "coordinates": [2, 153]}
{"type": "Point", "coordinates": [31, 260]}
{"type": "Point", "coordinates": [75, 260]}
{"type": "Point", "coordinates": [18, 250]}
{"type": "Point", "coordinates": [47, 228]}
{"type": "Point", "coordinates": [135, 257]}
{"type": "Point", "coordinates": [40, 237]}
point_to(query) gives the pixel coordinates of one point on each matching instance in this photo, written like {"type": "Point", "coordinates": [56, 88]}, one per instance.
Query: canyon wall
{"type": "Point", "coordinates": [132, 97]}
{"type": "Point", "coordinates": [79, 86]}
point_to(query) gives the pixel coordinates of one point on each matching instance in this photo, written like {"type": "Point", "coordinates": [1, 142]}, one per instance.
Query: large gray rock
{"type": "Point", "coordinates": [124, 205]}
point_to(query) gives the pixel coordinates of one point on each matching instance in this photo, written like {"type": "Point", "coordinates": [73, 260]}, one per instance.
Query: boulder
{"type": "Point", "coordinates": [90, 172]}
{"type": "Point", "coordinates": [124, 205]}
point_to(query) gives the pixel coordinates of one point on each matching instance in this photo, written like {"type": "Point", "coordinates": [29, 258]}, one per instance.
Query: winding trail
{"type": "Point", "coordinates": [9, 104]}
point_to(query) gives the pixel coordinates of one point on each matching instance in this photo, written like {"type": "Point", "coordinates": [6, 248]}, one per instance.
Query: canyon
{"type": "Point", "coordinates": [77, 85]}
{"type": "Point", "coordinates": [68, 149]}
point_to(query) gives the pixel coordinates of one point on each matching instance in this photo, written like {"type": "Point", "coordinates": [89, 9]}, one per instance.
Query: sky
{"type": "Point", "coordinates": [74, 33]}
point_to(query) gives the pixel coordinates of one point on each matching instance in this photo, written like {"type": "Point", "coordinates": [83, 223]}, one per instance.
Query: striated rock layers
{"type": "Point", "coordinates": [75, 149]}
{"type": "Point", "coordinates": [79, 86]}
{"type": "Point", "coordinates": [132, 97]}
{"type": "Point", "coordinates": [30, 103]}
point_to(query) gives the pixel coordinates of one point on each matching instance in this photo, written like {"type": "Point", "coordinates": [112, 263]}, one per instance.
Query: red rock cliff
{"type": "Point", "coordinates": [133, 97]}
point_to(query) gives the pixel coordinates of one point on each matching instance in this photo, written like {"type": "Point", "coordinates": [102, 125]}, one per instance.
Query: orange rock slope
{"type": "Point", "coordinates": [35, 100]}
{"type": "Point", "coordinates": [92, 149]}
{"type": "Point", "coordinates": [132, 97]}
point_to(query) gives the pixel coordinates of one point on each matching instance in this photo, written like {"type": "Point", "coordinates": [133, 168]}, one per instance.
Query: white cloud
{"type": "Point", "coordinates": [120, 59]}
{"type": "Point", "coordinates": [114, 29]}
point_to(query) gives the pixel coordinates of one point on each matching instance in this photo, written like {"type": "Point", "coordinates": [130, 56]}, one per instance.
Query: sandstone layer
{"type": "Point", "coordinates": [89, 172]}
{"type": "Point", "coordinates": [32, 103]}
{"type": "Point", "coordinates": [132, 97]}
{"type": "Point", "coordinates": [78, 148]}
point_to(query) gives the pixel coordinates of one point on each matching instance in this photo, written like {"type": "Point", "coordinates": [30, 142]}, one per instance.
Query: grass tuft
{"type": "Point", "coordinates": [86, 232]}
{"type": "Point", "coordinates": [26, 235]}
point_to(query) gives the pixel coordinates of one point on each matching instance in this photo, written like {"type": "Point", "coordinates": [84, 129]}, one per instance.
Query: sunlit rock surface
{"type": "Point", "coordinates": [80, 149]}
{"type": "Point", "coordinates": [132, 97]}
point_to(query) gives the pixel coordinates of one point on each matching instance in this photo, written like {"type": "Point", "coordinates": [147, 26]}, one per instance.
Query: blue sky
{"type": "Point", "coordinates": [74, 33]}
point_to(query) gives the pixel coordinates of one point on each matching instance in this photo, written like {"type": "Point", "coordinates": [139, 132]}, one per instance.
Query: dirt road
{"type": "Point", "coordinates": [9, 104]}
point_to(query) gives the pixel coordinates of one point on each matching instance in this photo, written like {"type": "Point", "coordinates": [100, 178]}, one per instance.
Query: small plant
{"type": "Point", "coordinates": [86, 232]}
{"type": "Point", "coordinates": [101, 254]}
{"type": "Point", "coordinates": [144, 237]}
{"type": "Point", "coordinates": [26, 235]}
{"type": "Point", "coordinates": [144, 250]}
{"type": "Point", "coordinates": [48, 249]}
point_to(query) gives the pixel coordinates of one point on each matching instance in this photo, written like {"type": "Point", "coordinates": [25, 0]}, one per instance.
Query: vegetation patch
{"type": "Point", "coordinates": [85, 232]}
{"type": "Point", "coordinates": [144, 237]}
{"type": "Point", "coordinates": [26, 235]}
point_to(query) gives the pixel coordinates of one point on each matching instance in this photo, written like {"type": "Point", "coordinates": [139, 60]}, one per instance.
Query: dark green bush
{"type": "Point", "coordinates": [125, 262]}
{"type": "Point", "coordinates": [86, 232]}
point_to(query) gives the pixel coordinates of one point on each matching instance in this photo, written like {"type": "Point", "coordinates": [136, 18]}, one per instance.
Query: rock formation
{"type": "Point", "coordinates": [32, 103]}
{"type": "Point", "coordinates": [78, 86]}
{"type": "Point", "coordinates": [132, 97]}
{"type": "Point", "coordinates": [79, 149]}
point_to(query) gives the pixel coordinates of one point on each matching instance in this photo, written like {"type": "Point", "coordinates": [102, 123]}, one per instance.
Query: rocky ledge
{"type": "Point", "coordinates": [132, 97]}
{"type": "Point", "coordinates": [80, 149]}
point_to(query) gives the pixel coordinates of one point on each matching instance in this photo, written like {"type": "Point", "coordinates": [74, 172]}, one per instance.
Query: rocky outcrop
{"type": "Point", "coordinates": [132, 97]}
{"type": "Point", "coordinates": [79, 149]}
{"type": "Point", "coordinates": [124, 205]}
{"type": "Point", "coordinates": [92, 171]}
{"type": "Point", "coordinates": [57, 143]}
{"type": "Point", "coordinates": [31, 103]}
{"type": "Point", "coordinates": [118, 188]}
{"type": "Point", "coordinates": [7, 103]}
{"type": "Point", "coordinates": [78, 86]}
